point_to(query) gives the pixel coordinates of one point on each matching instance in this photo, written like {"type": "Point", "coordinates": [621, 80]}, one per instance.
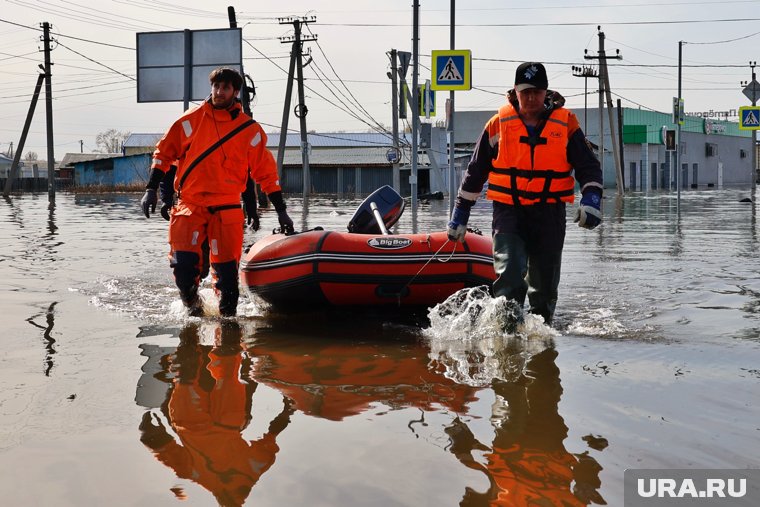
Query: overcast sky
{"type": "Point", "coordinates": [94, 86]}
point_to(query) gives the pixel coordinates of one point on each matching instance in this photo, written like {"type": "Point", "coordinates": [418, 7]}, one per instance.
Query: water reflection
{"type": "Point", "coordinates": [207, 406]}
{"type": "Point", "coordinates": [47, 335]}
{"type": "Point", "coordinates": [335, 378]}
{"type": "Point", "coordinates": [527, 462]}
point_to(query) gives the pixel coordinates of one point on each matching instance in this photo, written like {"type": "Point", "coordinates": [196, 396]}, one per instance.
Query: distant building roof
{"type": "Point", "coordinates": [336, 139]}
{"type": "Point", "coordinates": [72, 158]}
{"type": "Point", "coordinates": [142, 140]}
{"type": "Point", "coordinates": [361, 156]}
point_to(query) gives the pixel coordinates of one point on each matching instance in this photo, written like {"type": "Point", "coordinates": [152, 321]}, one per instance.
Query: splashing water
{"type": "Point", "coordinates": [471, 342]}
{"type": "Point", "coordinates": [160, 303]}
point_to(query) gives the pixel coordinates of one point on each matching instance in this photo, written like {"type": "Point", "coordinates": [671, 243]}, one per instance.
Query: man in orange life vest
{"type": "Point", "coordinates": [528, 154]}
{"type": "Point", "coordinates": [214, 145]}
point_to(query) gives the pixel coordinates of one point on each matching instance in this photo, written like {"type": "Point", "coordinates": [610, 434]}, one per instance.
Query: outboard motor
{"type": "Point", "coordinates": [378, 212]}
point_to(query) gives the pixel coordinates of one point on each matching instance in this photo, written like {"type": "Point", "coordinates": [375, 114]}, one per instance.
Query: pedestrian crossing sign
{"type": "Point", "coordinates": [749, 118]}
{"type": "Point", "coordinates": [451, 69]}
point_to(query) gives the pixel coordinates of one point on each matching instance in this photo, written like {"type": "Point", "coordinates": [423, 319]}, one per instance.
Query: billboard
{"type": "Point", "coordinates": [174, 66]}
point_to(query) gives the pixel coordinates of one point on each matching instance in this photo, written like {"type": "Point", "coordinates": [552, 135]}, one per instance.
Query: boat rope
{"type": "Point", "coordinates": [401, 291]}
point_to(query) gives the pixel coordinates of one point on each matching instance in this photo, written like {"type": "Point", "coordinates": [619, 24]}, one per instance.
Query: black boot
{"type": "Point", "coordinates": [192, 301]}
{"type": "Point", "coordinates": [227, 287]}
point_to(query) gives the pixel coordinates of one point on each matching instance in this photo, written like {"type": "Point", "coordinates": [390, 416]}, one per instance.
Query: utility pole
{"type": "Point", "coordinates": [29, 115]}
{"type": "Point", "coordinates": [49, 114]}
{"type": "Point", "coordinates": [604, 82]}
{"type": "Point", "coordinates": [393, 74]}
{"type": "Point", "coordinates": [296, 61]}
{"type": "Point", "coordinates": [81, 146]}
{"type": "Point", "coordinates": [750, 91]}
{"type": "Point", "coordinates": [678, 130]}
{"type": "Point", "coordinates": [10, 150]}
{"type": "Point", "coordinates": [245, 96]}
{"type": "Point", "coordinates": [585, 72]}
{"type": "Point", "coordinates": [415, 107]}
{"type": "Point", "coordinates": [450, 126]}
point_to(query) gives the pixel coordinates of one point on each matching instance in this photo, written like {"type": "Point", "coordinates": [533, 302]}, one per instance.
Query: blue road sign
{"type": "Point", "coordinates": [749, 118]}
{"type": "Point", "coordinates": [451, 70]}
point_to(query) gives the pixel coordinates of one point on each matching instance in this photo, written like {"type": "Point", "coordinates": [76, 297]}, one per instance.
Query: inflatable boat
{"type": "Point", "coordinates": [366, 265]}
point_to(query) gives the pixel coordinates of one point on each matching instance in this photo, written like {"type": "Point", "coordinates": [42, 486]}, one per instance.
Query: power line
{"type": "Point", "coordinates": [96, 62]}
{"type": "Point", "coordinates": [567, 23]}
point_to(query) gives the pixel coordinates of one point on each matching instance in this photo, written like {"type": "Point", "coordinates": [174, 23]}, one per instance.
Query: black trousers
{"type": "Point", "coordinates": [527, 254]}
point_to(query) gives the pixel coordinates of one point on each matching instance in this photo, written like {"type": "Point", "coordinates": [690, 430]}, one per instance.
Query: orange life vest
{"type": "Point", "coordinates": [531, 170]}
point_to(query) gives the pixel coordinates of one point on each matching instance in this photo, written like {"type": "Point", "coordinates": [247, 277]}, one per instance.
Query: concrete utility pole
{"type": "Point", "coordinates": [750, 90]}
{"type": "Point", "coordinates": [296, 61]}
{"type": "Point", "coordinates": [678, 131]}
{"type": "Point", "coordinates": [393, 74]}
{"type": "Point", "coordinates": [450, 126]}
{"type": "Point", "coordinates": [415, 107]}
{"type": "Point", "coordinates": [49, 114]}
{"type": "Point", "coordinates": [604, 82]}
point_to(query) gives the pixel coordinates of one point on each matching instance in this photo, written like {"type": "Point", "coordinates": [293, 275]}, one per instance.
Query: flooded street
{"type": "Point", "coordinates": [112, 396]}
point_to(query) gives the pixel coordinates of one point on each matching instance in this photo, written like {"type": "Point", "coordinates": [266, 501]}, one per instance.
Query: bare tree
{"type": "Point", "coordinates": [30, 156]}
{"type": "Point", "coordinates": [111, 140]}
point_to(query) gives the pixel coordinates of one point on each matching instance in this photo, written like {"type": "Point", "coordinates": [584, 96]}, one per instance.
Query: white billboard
{"type": "Point", "coordinates": [174, 66]}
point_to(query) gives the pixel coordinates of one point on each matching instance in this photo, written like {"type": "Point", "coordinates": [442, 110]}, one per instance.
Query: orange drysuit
{"type": "Point", "coordinates": [209, 181]}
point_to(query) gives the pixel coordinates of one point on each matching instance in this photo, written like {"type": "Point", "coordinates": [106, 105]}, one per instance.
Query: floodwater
{"type": "Point", "coordinates": [110, 395]}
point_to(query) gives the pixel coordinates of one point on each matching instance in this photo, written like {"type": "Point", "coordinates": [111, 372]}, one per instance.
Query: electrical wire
{"type": "Point", "coordinates": [97, 62]}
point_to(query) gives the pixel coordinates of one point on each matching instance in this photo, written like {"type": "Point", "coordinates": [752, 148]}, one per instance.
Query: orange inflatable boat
{"type": "Point", "coordinates": [319, 268]}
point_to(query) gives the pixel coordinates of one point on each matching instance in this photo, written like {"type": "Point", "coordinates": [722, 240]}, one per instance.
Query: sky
{"type": "Point", "coordinates": [348, 90]}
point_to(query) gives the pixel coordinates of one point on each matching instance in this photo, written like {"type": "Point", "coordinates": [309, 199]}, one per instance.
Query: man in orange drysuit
{"type": "Point", "coordinates": [214, 145]}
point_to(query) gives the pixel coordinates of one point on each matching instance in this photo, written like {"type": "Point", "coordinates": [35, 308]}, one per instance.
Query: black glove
{"type": "Point", "coordinates": [153, 435]}
{"type": "Point", "coordinates": [149, 201]}
{"type": "Point", "coordinates": [286, 223]}
{"type": "Point", "coordinates": [165, 211]}
{"type": "Point", "coordinates": [166, 190]}
{"type": "Point", "coordinates": [250, 210]}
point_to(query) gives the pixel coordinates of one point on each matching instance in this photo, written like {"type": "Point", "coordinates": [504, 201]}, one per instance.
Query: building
{"type": "Point", "coordinates": [714, 152]}
{"type": "Point", "coordinates": [108, 169]}
{"type": "Point", "coordinates": [135, 144]}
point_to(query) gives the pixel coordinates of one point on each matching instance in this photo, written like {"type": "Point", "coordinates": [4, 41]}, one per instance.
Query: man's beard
{"type": "Point", "coordinates": [226, 105]}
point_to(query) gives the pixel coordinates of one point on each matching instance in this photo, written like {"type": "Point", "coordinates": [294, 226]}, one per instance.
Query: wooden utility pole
{"type": "Point", "coordinates": [13, 173]}
{"type": "Point", "coordinates": [296, 62]}
{"type": "Point", "coordinates": [604, 85]}
{"type": "Point", "coordinates": [49, 114]}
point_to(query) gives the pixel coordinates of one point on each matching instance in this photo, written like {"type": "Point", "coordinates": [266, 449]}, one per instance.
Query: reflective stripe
{"type": "Point", "coordinates": [214, 247]}
{"type": "Point", "coordinates": [509, 118]}
{"type": "Point", "coordinates": [187, 128]}
{"type": "Point", "coordinates": [592, 184]}
{"type": "Point", "coordinates": [256, 139]}
{"type": "Point", "coordinates": [494, 140]}
{"type": "Point", "coordinates": [195, 238]}
{"type": "Point", "coordinates": [564, 124]}
{"type": "Point", "coordinates": [155, 162]}
{"type": "Point", "coordinates": [470, 196]}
